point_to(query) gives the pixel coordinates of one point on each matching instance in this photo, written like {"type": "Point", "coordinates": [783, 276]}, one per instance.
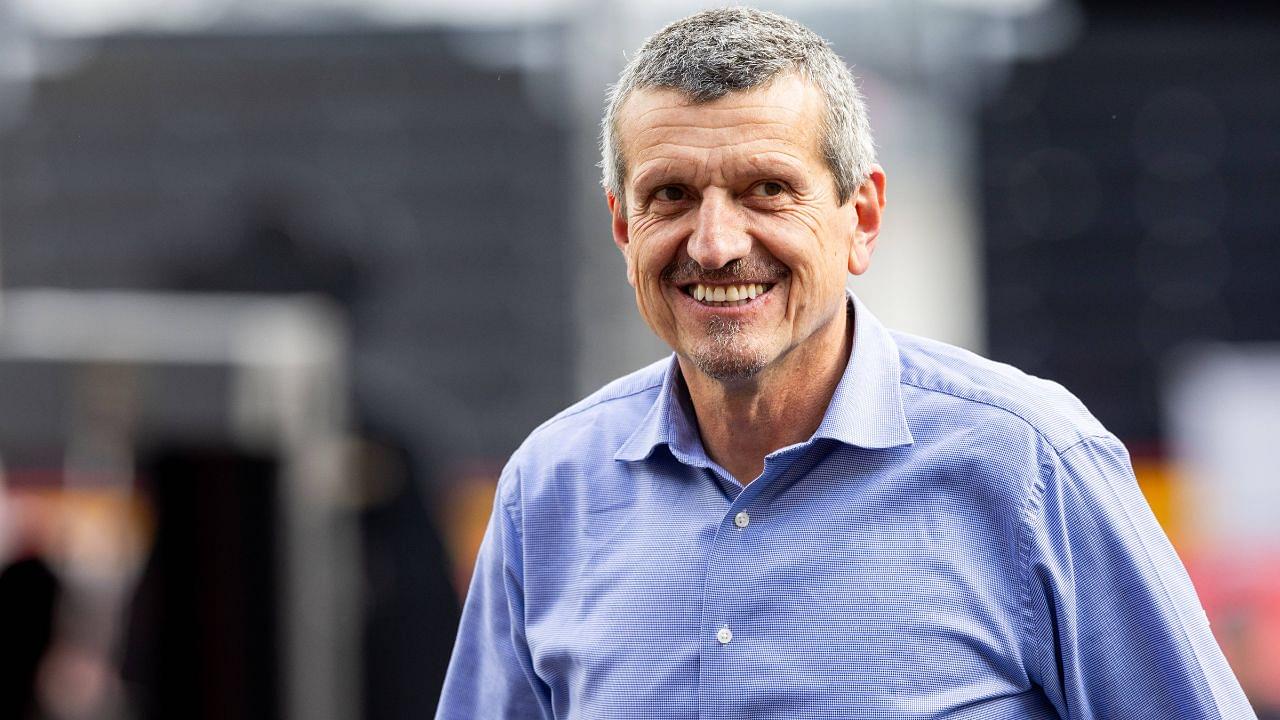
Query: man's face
{"type": "Point", "coordinates": [735, 241]}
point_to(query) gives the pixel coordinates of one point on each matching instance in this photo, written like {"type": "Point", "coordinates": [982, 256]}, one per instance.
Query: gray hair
{"type": "Point", "coordinates": [712, 53]}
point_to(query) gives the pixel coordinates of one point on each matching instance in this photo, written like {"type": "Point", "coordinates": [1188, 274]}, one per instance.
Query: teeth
{"type": "Point", "coordinates": [729, 293]}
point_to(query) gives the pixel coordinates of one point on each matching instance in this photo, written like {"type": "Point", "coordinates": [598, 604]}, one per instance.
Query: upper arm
{"type": "Point", "coordinates": [491, 672]}
{"type": "Point", "coordinates": [1114, 626]}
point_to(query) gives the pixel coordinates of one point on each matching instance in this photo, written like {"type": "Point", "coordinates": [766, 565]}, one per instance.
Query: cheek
{"type": "Point", "coordinates": [645, 269]}
{"type": "Point", "coordinates": [818, 248]}
{"type": "Point", "coordinates": [652, 253]}
{"type": "Point", "coordinates": [795, 247]}
{"type": "Point", "coordinates": [817, 260]}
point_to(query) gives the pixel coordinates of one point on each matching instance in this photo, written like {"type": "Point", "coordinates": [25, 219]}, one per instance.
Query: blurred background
{"type": "Point", "coordinates": [283, 283]}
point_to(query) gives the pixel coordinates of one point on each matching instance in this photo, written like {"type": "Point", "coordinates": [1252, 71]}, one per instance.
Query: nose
{"type": "Point", "coordinates": [720, 236]}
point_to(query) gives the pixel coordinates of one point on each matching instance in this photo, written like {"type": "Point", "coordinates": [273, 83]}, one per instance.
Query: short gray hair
{"type": "Point", "coordinates": [712, 53]}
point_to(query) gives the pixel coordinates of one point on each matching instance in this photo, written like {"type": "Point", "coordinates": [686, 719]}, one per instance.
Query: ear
{"type": "Point", "coordinates": [868, 202]}
{"type": "Point", "coordinates": [621, 231]}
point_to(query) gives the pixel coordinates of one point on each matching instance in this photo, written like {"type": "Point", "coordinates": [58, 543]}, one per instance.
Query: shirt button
{"type": "Point", "coordinates": [742, 519]}
{"type": "Point", "coordinates": [725, 635]}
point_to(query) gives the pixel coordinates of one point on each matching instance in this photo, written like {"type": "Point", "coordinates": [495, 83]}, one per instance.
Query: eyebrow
{"type": "Point", "coordinates": [766, 165]}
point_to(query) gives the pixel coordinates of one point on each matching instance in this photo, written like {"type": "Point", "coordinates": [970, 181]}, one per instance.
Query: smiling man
{"type": "Point", "coordinates": [801, 514]}
{"type": "Point", "coordinates": [738, 243]}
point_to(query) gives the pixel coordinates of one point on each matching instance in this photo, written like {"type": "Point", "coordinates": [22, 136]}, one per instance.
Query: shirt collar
{"type": "Point", "coordinates": [669, 422]}
{"type": "Point", "coordinates": [865, 411]}
{"type": "Point", "coordinates": [866, 408]}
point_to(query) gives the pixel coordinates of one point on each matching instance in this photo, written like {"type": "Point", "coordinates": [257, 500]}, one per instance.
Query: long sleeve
{"type": "Point", "coordinates": [1114, 627]}
{"type": "Point", "coordinates": [491, 674]}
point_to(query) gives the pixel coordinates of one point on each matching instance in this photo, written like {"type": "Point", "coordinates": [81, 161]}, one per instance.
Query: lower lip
{"type": "Point", "coordinates": [750, 306]}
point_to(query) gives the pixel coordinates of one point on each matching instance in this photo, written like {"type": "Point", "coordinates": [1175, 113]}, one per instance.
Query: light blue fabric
{"type": "Point", "coordinates": [957, 540]}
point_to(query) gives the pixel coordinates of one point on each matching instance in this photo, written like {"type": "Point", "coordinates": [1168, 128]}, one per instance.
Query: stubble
{"type": "Point", "coordinates": [726, 355]}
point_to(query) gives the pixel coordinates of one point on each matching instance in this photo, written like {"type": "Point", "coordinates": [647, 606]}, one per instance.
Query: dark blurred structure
{"type": "Point", "coordinates": [404, 175]}
{"type": "Point", "coordinates": [411, 608]}
{"type": "Point", "coordinates": [1129, 201]}
{"type": "Point", "coordinates": [267, 256]}
{"type": "Point", "coordinates": [249, 549]}
{"type": "Point", "coordinates": [203, 635]}
{"type": "Point", "coordinates": [416, 152]}
{"type": "Point", "coordinates": [29, 593]}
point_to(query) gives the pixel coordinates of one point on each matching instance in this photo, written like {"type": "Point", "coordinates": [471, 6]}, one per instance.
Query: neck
{"type": "Point", "coordinates": [742, 422]}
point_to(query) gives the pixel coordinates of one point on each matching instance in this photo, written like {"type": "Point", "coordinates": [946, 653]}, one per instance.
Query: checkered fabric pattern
{"type": "Point", "coordinates": [957, 540]}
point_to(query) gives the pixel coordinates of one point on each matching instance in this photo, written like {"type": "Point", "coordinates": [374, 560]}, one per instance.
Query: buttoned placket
{"type": "Point", "coordinates": [738, 531]}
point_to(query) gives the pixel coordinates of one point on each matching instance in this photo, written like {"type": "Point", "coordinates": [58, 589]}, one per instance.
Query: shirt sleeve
{"type": "Point", "coordinates": [1114, 627]}
{"type": "Point", "coordinates": [491, 673]}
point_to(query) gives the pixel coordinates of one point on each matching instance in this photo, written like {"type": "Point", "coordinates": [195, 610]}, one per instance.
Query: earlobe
{"type": "Point", "coordinates": [618, 221]}
{"type": "Point", "coordinates": [869, 205]}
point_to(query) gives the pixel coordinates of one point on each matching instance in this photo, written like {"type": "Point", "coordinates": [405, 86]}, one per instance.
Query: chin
{"type": "Point", "coordinates": [728, 369]}
{"type": "Point", "coordinates": [725, 355]}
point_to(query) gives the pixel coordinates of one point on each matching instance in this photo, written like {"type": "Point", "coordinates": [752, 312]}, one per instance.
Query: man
{"type": "Point", "coordinates": [801, 514]}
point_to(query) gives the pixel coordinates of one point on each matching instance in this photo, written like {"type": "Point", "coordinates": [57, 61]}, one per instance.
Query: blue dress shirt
{"type": "Point", "coordinates": [957, 540]}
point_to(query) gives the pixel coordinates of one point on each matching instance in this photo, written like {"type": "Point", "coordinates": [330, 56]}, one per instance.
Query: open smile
{"type": "Point", "coordinates": [726, 295]}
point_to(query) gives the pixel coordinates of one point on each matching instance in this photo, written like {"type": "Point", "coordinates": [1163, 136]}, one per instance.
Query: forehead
{"type": "Point", "coordinates": [784, 117]}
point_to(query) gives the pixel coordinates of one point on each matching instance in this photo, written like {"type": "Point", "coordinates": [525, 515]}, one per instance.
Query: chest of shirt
{"type": "Point", "coordinates": [890, 595]}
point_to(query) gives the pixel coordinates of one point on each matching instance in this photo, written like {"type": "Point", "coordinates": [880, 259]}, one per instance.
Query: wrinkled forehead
{"type": "Point", "coordinates": [788, 111]}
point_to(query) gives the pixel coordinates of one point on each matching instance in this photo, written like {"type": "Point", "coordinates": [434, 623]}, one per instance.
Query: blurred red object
{"type": "Point", "coordinates": [1240, 591]}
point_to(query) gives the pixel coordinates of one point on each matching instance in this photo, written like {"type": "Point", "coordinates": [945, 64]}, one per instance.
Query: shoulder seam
{"type": "Point", "coordinates": [1033, 505]}
{"type": "Point", "coordinates": [1030, 509]}
{"type": "Point", "coordinates": [982, 402]}
{"type": "Point", "coordinates": [1083, 440]}
{"type": "Point", "coordinates": [509, 510]}
{"type": "Point", "coordinates": [1004, 409]}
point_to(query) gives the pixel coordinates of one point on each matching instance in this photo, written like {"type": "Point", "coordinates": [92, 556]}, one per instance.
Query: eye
{"type": "Point", "coordinates": [769, 188]}
{"type": "Point", "coordinates": [670, 193]}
